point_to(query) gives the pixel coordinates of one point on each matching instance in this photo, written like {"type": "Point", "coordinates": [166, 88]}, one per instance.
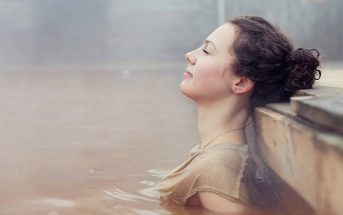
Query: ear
{"type": "Point", "coordinates": [242, 84]}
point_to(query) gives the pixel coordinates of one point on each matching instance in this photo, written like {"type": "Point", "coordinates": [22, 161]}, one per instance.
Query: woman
{"type": "Point", "coordinates": [243, 64]}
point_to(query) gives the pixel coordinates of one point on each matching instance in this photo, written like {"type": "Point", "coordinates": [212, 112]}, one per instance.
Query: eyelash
{"type": "Point", "coordinates": [205, 51]}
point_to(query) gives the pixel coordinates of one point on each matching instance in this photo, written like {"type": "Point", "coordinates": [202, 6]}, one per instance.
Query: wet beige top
{"type": "Point", "coordinates": [217, 169]}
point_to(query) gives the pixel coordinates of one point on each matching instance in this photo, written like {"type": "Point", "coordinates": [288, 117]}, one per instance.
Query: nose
{"type": "Point", "coordinates": [190, 58]}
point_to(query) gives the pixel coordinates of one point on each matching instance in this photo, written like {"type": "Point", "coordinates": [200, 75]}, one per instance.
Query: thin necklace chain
{"type": "Point", "coordinates": [221, 134]}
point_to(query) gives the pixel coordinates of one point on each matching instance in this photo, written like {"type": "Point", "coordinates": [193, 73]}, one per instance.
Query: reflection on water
{"type": "Point", "coordinates": [91, 142]}
{"type": "Point", "coordinates": [54, 202]}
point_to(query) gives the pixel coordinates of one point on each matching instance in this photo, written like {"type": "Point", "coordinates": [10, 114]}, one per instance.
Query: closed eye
{"type": "Point", "coordinates": [205, 51]}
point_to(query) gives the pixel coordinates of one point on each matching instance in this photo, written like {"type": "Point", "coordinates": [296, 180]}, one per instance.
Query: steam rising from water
{"type": "Point", "coordinates": [87, 32]}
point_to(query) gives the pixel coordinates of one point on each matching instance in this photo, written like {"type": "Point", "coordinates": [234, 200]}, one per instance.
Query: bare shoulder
{"type": "Point", "coordinates": [214, 202]}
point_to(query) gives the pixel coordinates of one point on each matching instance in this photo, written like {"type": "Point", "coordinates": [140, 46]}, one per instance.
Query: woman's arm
{"type": "Point", "coordinates": [216, 203]}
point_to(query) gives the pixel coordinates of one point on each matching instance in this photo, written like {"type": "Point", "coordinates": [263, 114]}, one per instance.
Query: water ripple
{"type": "Point", "coordinates": [122, 195]}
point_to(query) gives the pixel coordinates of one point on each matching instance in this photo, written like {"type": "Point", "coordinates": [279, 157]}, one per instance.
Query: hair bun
{"type": "Point", "coordinates": [303, 70]}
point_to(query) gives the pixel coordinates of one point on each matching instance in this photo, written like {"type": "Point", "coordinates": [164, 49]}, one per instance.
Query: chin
{"type": "Point", "coordinates": [185, 89]}
{"type": "Point", "coordinates": [188, 91]}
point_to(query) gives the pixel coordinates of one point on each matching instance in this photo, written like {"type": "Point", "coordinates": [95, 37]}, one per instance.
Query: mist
{"type": "Point", "coordinates": [104, 32]}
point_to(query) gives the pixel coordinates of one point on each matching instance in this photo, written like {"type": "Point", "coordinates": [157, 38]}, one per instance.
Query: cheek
{"type": "Point", "coordinates": [206, 83]}
{"type": "Point", "coordinates": [203, 81]}
{"type": "Point", "coordinates": [227, 76]}
{"type": "Point", "coordinates": [214, 82]}
{"type": "Point", "coordinates": [209, 77]}
{"type": "Point", "coordinates": [197, 87]}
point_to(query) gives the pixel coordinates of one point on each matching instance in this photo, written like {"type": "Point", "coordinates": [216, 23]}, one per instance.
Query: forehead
{"type": "Point", "coordinates": [223, 37]}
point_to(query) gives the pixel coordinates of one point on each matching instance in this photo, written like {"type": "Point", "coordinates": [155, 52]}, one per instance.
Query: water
{"type": "Point", "coordinates": [88, 142]}
{"type": "Point", "coordinates": [91, 141]}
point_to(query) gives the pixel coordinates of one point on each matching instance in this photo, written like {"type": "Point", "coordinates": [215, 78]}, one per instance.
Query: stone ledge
{"type": "Point", "coordinates": [304, 157]}
{"type": "Point", "coordinates": [327, 111]}
{"type": "Point", "coordinates": [321, 91]}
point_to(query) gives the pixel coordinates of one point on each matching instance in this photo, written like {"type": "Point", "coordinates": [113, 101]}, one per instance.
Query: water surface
{"type": "Point", "coordinates": [91, 141]}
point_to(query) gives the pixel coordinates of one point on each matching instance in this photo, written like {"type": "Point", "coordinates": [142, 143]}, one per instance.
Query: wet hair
{"type": "Point", "coordinates": [268, 58]}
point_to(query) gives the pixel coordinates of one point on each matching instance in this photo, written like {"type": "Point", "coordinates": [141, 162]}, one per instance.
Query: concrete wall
{"type": "Point", "coordinates": [304, 150]}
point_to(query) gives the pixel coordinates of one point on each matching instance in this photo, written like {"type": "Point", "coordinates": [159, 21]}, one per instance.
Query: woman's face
{"type": "Point", "coordinates": [208, 73]}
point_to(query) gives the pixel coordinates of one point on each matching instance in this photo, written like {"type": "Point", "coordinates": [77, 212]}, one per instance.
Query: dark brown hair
{"type": "Point", "coordinates": [268, 58]}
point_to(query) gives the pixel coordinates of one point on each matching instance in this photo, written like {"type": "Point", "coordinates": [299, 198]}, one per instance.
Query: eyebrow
{"type": "Point", "coordinates": [210, 42]}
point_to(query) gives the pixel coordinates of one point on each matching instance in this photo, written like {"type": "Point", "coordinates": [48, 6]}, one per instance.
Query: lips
{"type": "Point", "coordinates": [187, 74]}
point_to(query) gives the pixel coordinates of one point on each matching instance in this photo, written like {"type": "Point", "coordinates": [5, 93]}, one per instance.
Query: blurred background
{"type": "Point", "coordinates": [106, 32]}
{"type": "Point", "coordinates": [90, 110]}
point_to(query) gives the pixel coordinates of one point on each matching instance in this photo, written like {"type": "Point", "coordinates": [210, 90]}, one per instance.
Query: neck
{"type": "Point", "coordinates": [218, 117]}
